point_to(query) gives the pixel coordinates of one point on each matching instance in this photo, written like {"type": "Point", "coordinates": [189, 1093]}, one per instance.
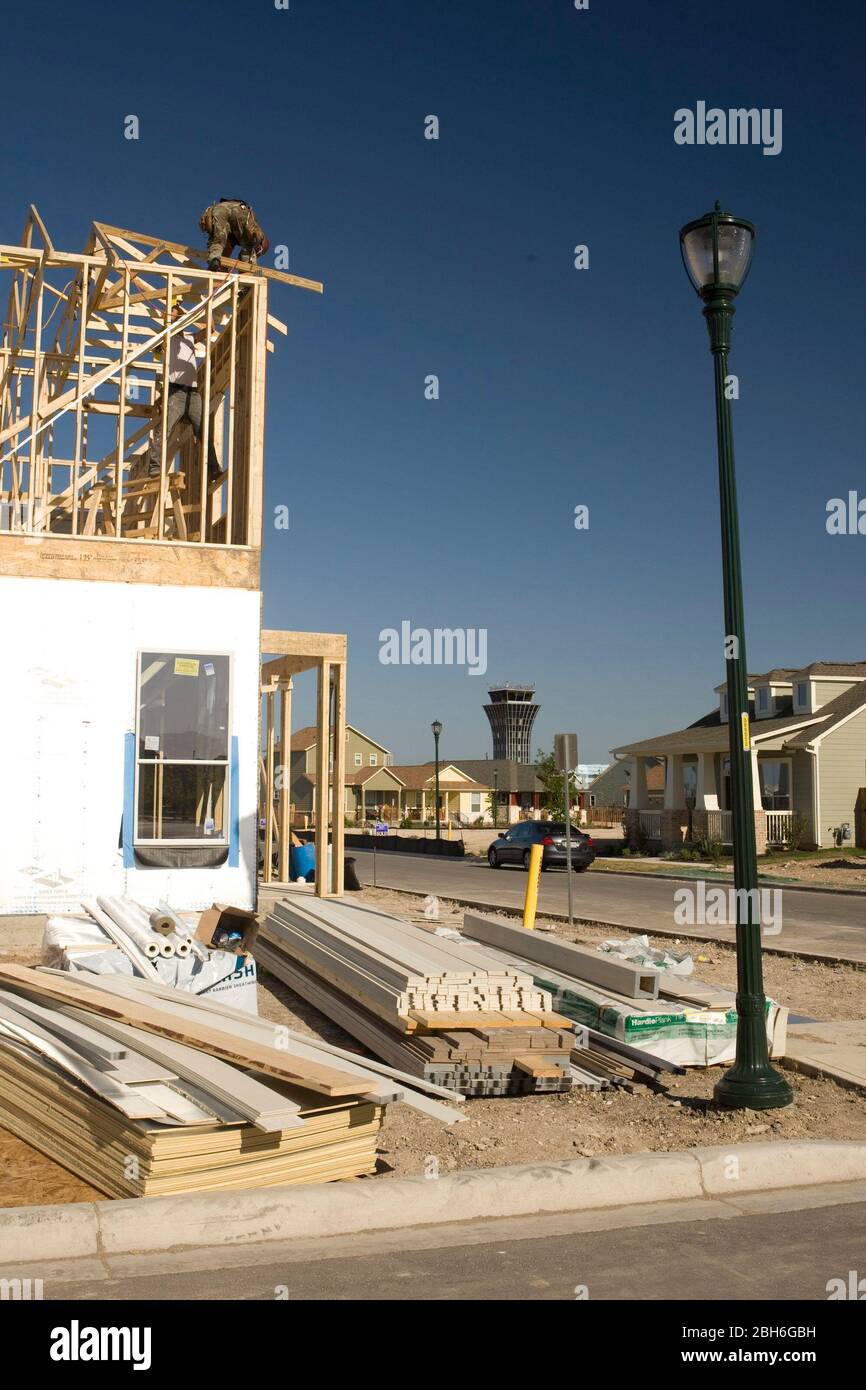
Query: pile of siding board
{"type": "Point", "coordinates": [440, 1009]}
{"type": "Point", "coordinates": [142, 1089]}
{"type": "Point", "coordinates": [644, 1014]}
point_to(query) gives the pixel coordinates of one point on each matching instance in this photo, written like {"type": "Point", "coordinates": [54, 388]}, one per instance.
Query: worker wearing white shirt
{"type": "Point", "coordinates": [184, 397]}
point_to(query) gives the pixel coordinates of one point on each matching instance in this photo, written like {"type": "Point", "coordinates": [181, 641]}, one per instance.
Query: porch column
{"type": "Point", "coordinates": [674, 796]}
{"type": "Point", "coordinates": [285, 778]}
{"type": "Point", "coordinates": [707, 798]}
{"type": "Point", "coordinates": [756, 780]}
{"type": "Point", "coordinates": [638, 795]}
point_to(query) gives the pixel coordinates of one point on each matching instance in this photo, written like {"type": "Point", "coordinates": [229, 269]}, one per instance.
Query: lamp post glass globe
{"type": "Point", "coordinates": [717, 251]}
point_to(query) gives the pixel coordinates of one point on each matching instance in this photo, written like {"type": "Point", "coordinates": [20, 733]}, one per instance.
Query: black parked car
{"type": "Point", "coordinates": [513, 846]}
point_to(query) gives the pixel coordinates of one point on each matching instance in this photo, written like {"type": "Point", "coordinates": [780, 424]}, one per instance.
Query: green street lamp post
{"type": "Point", "coordinates": [436, 726]}
{"type": "Point", "coordinates": [717, 252]}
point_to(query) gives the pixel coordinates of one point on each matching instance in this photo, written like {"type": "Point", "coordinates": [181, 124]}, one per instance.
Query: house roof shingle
{"type": "Point", "coordinates": [418, 775]}
{"type": "Point", "coordinates": [710, 738]}
{"type": "Point", "coordinates": [832, 714]}
{"type": "Point", "coordinates": [854, 669]}
{"type": "Point", "coordinates": [510, 776]}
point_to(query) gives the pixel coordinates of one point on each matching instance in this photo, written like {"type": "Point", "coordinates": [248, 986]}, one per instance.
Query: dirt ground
{"type": "Point", "coordinates": [842, 871]}
{"type": "Point", "coordinates": [546, 1128]}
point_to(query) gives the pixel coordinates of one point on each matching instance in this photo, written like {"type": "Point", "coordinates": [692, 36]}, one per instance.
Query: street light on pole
{"type": "Point", "coordinates": [436, 726]}
{"type": "Point", "coordinates": [717, 252]}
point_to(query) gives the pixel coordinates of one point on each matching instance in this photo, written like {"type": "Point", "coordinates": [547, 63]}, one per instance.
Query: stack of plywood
{"type": "Point", "coordinates": [438, 1008]}
{"type": "Point", "coordinates": [141, 1089]}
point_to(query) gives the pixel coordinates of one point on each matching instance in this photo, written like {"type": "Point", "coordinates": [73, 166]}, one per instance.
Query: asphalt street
{"type": "Point", "coordinates": [823, 923]}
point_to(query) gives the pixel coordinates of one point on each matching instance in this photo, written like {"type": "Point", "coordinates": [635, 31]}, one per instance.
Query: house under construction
{"type": "Point", "coordinates": [130, 582]}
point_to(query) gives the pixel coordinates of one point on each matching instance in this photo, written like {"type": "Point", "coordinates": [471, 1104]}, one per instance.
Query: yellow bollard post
{"type": "Point", "coordinates": [530, 902]}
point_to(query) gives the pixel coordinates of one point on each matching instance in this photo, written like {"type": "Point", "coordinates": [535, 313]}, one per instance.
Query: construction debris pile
{"type": "Point", "coordinates": [438, 1006]}
{"type": "Point", "coordinates": [143, 1085]}
{"type": "Point", "coordinates": [205, 953]}
{"type": "Point", "coordinates": [142, 1089]}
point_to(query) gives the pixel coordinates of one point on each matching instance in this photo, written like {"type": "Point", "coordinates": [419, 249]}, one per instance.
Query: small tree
{"type": "Point", "coordinates": [553, 782]}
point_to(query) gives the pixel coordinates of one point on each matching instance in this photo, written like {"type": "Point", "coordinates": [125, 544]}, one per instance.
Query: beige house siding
{"type": "Point", "coordinates": [301, 791]}
{"type": "Point", "coordinates": [842, 759]}
{"type": "Point", "coordinates": [825, 691]}
{"type": "Point", "coordinates": [801, 793]}
{"type": "Point", "coordinates": [358, 743]}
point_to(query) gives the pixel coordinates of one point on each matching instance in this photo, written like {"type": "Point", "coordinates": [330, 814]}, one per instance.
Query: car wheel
{"type": "Point", "coordinates": [526, 856]}
{"type": "Point", "coordinates": [493, 859]}
{"type": "Point", "coordinates": [580, 868]}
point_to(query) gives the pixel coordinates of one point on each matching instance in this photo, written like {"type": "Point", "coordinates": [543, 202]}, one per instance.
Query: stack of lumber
{"type": "Point", "coordinates": [605, 971]}
{"type": "Point", "coordinates": [141, 1089]}
{"type": "Point", "coordinates": [440, 1009]}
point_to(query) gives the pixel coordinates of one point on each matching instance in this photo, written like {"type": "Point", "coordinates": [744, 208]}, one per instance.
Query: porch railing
{"type": "Point", "coordinates": [778, 826]}
{"type": "Point", "coordinates": [651, 823]}
{"type": "Point", "coordinates": [719, 826]}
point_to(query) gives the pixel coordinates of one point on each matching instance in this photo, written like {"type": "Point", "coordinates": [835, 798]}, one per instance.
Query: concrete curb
{"type": "Point", "coordinates": [677, 933]}
{"type": "Point", "coordinates": [154, 1225]}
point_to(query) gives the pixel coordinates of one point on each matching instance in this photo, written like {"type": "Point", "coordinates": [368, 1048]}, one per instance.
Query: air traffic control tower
{"type": "Point", "coordinates": [512, 714]}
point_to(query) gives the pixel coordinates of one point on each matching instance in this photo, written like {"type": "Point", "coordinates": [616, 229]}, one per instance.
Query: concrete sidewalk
{"type": "Point", "coordinates": [161, 1225]}
{"type": "Point", "coordinates": [711, 1250]}
{"type": "Point", "coordinates": [837, 1050]}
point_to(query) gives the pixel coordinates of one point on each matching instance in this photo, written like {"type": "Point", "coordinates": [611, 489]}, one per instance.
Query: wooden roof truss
{"type": "Point", "coordinates": [83, 372]}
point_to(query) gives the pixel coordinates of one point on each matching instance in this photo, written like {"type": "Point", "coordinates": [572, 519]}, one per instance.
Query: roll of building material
{"type": "Point", "coordinates": [130, 920]}
{"type": "Point", "coordinates": [182, 947]}
{"type": "Point", "coordinates": [122, 939]}
{"type": "Point", "coordinates": [166, 947]}
{"type": "Point", "coordinates": [183, 932]}
{"type": "Point", "coordinates": [161, 922]}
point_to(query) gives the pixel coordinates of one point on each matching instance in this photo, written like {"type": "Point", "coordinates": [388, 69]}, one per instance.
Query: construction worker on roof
{"type": "Point", "coordinates": [184, 397]}
{"type": "Point", "coordinates": [229, 223]}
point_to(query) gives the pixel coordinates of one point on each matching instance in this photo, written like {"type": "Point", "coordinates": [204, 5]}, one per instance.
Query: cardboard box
{"type": "Point", "coordinates": [221, 918]}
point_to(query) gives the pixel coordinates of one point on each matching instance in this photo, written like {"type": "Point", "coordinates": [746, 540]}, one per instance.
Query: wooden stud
{"type": "Point", "coordinates": [285, 773]}
{"type": "Point", "coordinates": [323, 703]}
{"type": "Point", "coordinates": [338, 789]}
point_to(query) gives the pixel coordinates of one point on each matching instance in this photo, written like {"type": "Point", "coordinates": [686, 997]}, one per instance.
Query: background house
{"type": "Point", "coordinates": [808, 758]}
{"type": "Point", "coordinates": [612, 787]}
{"type": "Point", "coordinates": [363, 755]}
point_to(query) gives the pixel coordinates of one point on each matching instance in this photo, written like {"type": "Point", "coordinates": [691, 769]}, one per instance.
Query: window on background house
{"type": "Point", "coordinates": [775, 779]}
{"type": "Point", "coordinates": [374, 759]}
{"type": "Point", "coordinates": [723, 706]}
{"type": "Point", "coordinates": [182, 748]}
{"type": "Point", "coordinates": [763, 699]}
{"type": "Point", "coordinates": [359, 759]}
{"type": "Point", "coordinates": [802, 694]}
{"type": "Point", "coordinates": [475, 804]}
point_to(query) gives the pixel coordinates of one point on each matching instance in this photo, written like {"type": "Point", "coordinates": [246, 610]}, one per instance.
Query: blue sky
{"type": "Point", "coordinates": [455, 257]}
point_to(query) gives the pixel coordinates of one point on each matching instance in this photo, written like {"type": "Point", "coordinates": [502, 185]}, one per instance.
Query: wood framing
{"type": "Point", "coordinates": [326, 654]}
{"type": "Point", "coordinates": [85, 449]}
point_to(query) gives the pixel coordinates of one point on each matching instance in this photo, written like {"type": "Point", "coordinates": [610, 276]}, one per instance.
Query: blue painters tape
{"type": "Point", "coordinates": [234, 828]}
{"type": "Point", "coordinates": [128, 800]}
